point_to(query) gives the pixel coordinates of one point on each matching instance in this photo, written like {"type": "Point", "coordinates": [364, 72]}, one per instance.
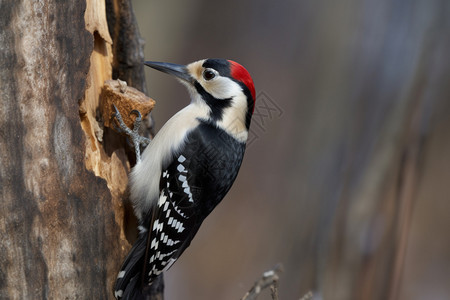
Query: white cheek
{"type": "Point", "coordinates": [234, 117]}
{"type": "Point", "coordinates": [221, 88]}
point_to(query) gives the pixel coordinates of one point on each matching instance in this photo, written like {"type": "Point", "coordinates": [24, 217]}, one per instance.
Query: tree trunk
{"type": "Point", "coordinates": [62, 175]}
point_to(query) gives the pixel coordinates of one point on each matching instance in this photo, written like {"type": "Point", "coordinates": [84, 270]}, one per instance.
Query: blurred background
{"type": "Point", "coordinates": [346, 179]}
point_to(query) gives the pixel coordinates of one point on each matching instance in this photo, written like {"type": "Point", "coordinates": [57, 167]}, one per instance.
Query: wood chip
{"type": "Point", "coordinates": [126, 99]}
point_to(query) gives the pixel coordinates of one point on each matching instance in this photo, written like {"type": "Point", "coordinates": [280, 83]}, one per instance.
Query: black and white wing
{"type": "Point", "coordinates": [193, 183]}
{"type": "Point", "coordinates": [191, 186]}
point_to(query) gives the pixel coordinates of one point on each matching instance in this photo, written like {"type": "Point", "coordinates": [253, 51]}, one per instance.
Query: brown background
{"type": "Point", "coordinates": [347, 180]}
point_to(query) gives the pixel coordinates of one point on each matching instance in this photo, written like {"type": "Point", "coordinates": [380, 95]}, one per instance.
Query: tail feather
{"type": "Point", "coordinates": [129, 278]}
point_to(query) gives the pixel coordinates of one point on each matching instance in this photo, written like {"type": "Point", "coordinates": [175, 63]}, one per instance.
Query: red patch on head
{"type": "Point", "coordinates": [238, 72]}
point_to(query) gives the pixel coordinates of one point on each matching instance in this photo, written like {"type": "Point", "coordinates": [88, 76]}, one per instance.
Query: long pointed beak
{"type": "Point", "coordinates": [178, 71]}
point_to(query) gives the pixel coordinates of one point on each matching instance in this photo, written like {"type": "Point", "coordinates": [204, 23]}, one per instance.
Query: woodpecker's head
{"type": "Point", "coordinates": [222, 86]}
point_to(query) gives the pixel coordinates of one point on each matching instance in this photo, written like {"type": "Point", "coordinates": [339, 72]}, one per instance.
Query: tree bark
{"type": "Point", "coordinates": [62, 175]}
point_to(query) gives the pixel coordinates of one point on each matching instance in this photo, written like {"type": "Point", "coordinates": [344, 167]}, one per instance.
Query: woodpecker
{"type": "Point", "coordinates": [188, 167]}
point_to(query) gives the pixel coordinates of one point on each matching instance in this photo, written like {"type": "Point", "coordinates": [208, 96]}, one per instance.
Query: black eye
{"type": "Point", "coordinates": [208, 74]}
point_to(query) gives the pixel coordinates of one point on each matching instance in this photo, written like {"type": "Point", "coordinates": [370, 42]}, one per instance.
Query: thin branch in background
{"type": "Point", "coordinates": [307, 296]}
{"type": "Point", "coordinates": [274, 290]}
{"type": "Point", "coordinates": [269, 279]}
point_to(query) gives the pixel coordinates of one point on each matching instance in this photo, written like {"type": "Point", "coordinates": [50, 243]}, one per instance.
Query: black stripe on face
{"type": "Point", "coordinates": [217, 106]}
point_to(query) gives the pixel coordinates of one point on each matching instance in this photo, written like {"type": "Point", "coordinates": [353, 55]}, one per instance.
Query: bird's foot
{"type": "Point", "coordinates": [136, 139]}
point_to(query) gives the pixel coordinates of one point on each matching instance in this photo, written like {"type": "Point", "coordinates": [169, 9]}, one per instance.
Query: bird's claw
{"type": "Point", "coordinates": [136, 140]}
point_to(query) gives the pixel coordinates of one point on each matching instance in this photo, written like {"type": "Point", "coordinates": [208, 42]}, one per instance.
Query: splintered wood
{"type": "Point", "coordinates": [126, 99]}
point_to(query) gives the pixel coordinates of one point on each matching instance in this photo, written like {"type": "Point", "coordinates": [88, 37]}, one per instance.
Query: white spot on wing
{"type": "Point", "coordinates": [181, 158]}
{"type": "Point", "coordinates": [187, 189]}
{"type": "Point", "coordinates": [121, 274]}
{"type": "Point", "coordinates": [154, 244]}
{"type": "Point", "coordinates": [162, 199]}
{"type": "Point", "coordinates": [166, 206]}
{"type": "Point", "coordinates": [178, 210]}
{"type": "Point", "coordinates": [179, 227]}
{"type": "Point", "coordinates": [158, 226]}
{"type": "Point", "coordinates": [181, 168]}
{"type": "Point", "coordinates": [169, 264]}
